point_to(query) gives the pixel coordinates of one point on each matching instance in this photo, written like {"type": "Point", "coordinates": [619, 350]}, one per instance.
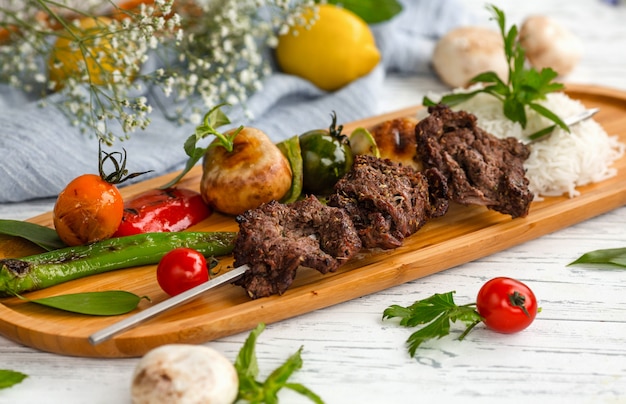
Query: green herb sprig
{"type": "Point", "coordinates": [212, 120]}
{"type": "Point", "coordinates": [524, 87]}
{"type": "Point", "coordinates": [254, 391]}
{"type": "Point", "coordinates": [10, 378]}
{"type": "Point", "coordinates": [436, 313]}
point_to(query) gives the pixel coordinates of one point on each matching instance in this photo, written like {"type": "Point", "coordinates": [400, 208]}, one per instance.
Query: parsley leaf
{"type": "Point", "coordinates": [10, 378]}
{"type": "Point", "coordinates": [211, 121]}
{"type": "Point", "coordinates": [436, 313]}
{"type": "Point", "coordinates": [524, 87]}
{"type": "Point", "coordinates": [254, 391]}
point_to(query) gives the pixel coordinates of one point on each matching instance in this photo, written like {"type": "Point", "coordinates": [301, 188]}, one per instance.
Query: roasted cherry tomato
{"type": "Point", "coordinates": [162, 210]}
{"type": "Point", "coordinates": [181, 269]}
{"type": "Point", "coordinates": [90, 208]}
{"type": "Point", "coordinates": [507, 305]}
{"type": "Point", "coordinates": [326, 157]}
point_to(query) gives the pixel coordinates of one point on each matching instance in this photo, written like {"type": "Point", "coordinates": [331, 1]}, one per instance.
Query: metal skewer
{"type": "Point", "coordinates": [132, 321]}
{"type": "Point", "coordinates": [569, 121]}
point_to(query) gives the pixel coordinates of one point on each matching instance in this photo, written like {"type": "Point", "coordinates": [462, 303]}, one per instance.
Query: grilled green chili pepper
{"type": "Point", "coordinates": [291, 150]}
{"type": "Point", "coordinates": [53, 267]}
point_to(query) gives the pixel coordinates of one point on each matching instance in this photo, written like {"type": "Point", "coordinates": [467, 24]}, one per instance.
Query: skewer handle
{"type": "Point", "coordinates": [188, 295]}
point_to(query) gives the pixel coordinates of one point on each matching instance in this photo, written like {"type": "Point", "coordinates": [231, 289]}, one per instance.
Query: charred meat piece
{"type": "Point", "coordinates": [388, 201]}
{"type": "Point", "coordinates": [275, 239]}
{"type": "Point", "coordinates": [480, 168]}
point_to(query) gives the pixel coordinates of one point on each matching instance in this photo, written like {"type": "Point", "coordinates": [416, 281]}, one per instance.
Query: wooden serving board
{"type": "Point", "coordinates": [462, 235]}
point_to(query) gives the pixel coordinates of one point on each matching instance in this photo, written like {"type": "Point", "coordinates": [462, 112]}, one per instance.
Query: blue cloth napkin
{"type": "Point", "coordinates": [41, 152]}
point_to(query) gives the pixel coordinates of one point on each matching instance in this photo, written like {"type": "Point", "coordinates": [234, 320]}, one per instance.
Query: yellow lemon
{"type": "Point", "coordinates": [337, 49]}
{"type": "Point", "coordinates": [68, 59]}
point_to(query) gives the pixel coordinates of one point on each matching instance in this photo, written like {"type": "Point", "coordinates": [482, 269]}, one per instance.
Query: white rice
{"type": "Point", "coordinates": [562, 161]}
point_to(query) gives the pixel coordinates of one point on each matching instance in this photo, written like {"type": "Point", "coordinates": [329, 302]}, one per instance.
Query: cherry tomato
{"type": "Point", "coordinates": [507, 305]}
{"type": "Point", "coordinates": [181, 269]}
{"type": "Point", "coordinates": [90, 208]}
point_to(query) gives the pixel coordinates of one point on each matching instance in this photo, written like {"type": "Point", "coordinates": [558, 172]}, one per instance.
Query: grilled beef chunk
{"type": "Point", "coordinates": [388, 201]}
{"type": "Point", "coordinates": [275, 239]}
{"type": "Point", "coordinates": [480, 169]}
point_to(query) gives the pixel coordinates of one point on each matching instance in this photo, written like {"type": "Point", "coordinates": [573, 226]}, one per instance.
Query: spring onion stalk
{"type": "Point", "coordinates": [54, 267]}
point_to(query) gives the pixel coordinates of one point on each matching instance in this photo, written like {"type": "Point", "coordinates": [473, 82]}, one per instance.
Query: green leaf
{"type": "Point", "coordinates": [105, 303]}
{"type": "Point", "coordinates": [247, 368]}
{"type": "Point", "coordinates": [524, 86]}
{"type": "Point", "coordinates": [278, 378]}
{"type": "Point", "coordinates": [615, 257]}
{"type": "Point", "coordinates": [10, 378]}
{"type": "Point", "coordinates": [371, 11]}
{"type": "Point", "coordinates": [451, 99]}
{"type": "Point", "coordinates": [550, 115]}
{"type": "Point", "coordinates": [43, 236]}
{"type": "Point", "coordinates": [299, 388]}
{"type": "Point", "coordinates": [211, 121]}
{"type": "Point", "coordinates": [425, 311]}
{"type": "Point", "coordinates": [246, 362]}
{"type": "Point", "coordinates": [217, 117]}
{"type": "Point", "coordinates": [437, 312]}
{"type": "Point", "coordinates": [515, 111]}
{"type": "Point", "coordinates": [487, 77]}
{"type": "Point", "coordinates": [542, 132]}
{"type": "Point", "coordinates": [438, 328]}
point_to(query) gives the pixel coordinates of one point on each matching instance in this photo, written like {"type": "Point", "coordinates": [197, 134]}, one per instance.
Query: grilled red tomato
{"type": "Point", "coordinates": [162, 210]}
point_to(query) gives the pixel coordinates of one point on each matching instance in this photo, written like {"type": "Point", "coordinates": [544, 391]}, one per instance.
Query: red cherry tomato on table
{"type": "Point", "coordinates": [507, 305]}
{"type": "Point", "coordinates": [181, 269]}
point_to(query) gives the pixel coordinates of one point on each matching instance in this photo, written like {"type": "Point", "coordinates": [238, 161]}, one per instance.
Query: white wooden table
{"type": "Point", "coordinates": [574, 352]}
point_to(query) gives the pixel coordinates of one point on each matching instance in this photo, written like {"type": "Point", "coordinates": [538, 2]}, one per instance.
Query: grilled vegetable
{"type": "Point", "coordinates": [54, 267]}
{"type": "Point", "coordinates": [291, 150]}
{"type": "Point", "coordinates": [90, 208]}
{"type": "Point", "coordinates": [254, 171]}
{"type": "Point", "coordinates": [326, 157]}
{"type": "Point", "coordinates": [162, 210]}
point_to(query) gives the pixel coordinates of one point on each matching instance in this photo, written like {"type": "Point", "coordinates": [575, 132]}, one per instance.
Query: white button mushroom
{"type": "Point", "coordinates": [184, 374]}
{"type": "Point", "coordinates": [465, 52]}
{"type": "Point", "coordinates": [548, 44]}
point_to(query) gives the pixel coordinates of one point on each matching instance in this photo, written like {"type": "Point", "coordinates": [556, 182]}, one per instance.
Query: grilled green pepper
{"type": "Point", "coordinates": [326, 157]}
{"type": "Point", "coordinates": [54, 267]}
{"type": "Point", "coordinates": [290, 148]}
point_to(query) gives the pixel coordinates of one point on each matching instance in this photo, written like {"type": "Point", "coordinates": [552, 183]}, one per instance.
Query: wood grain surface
{"type": "Point", "coordinates": [462, 235]}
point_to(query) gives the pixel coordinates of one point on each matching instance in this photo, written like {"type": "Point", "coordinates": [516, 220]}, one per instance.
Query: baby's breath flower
{"type": "Point", "coordinates": [203, 52]}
